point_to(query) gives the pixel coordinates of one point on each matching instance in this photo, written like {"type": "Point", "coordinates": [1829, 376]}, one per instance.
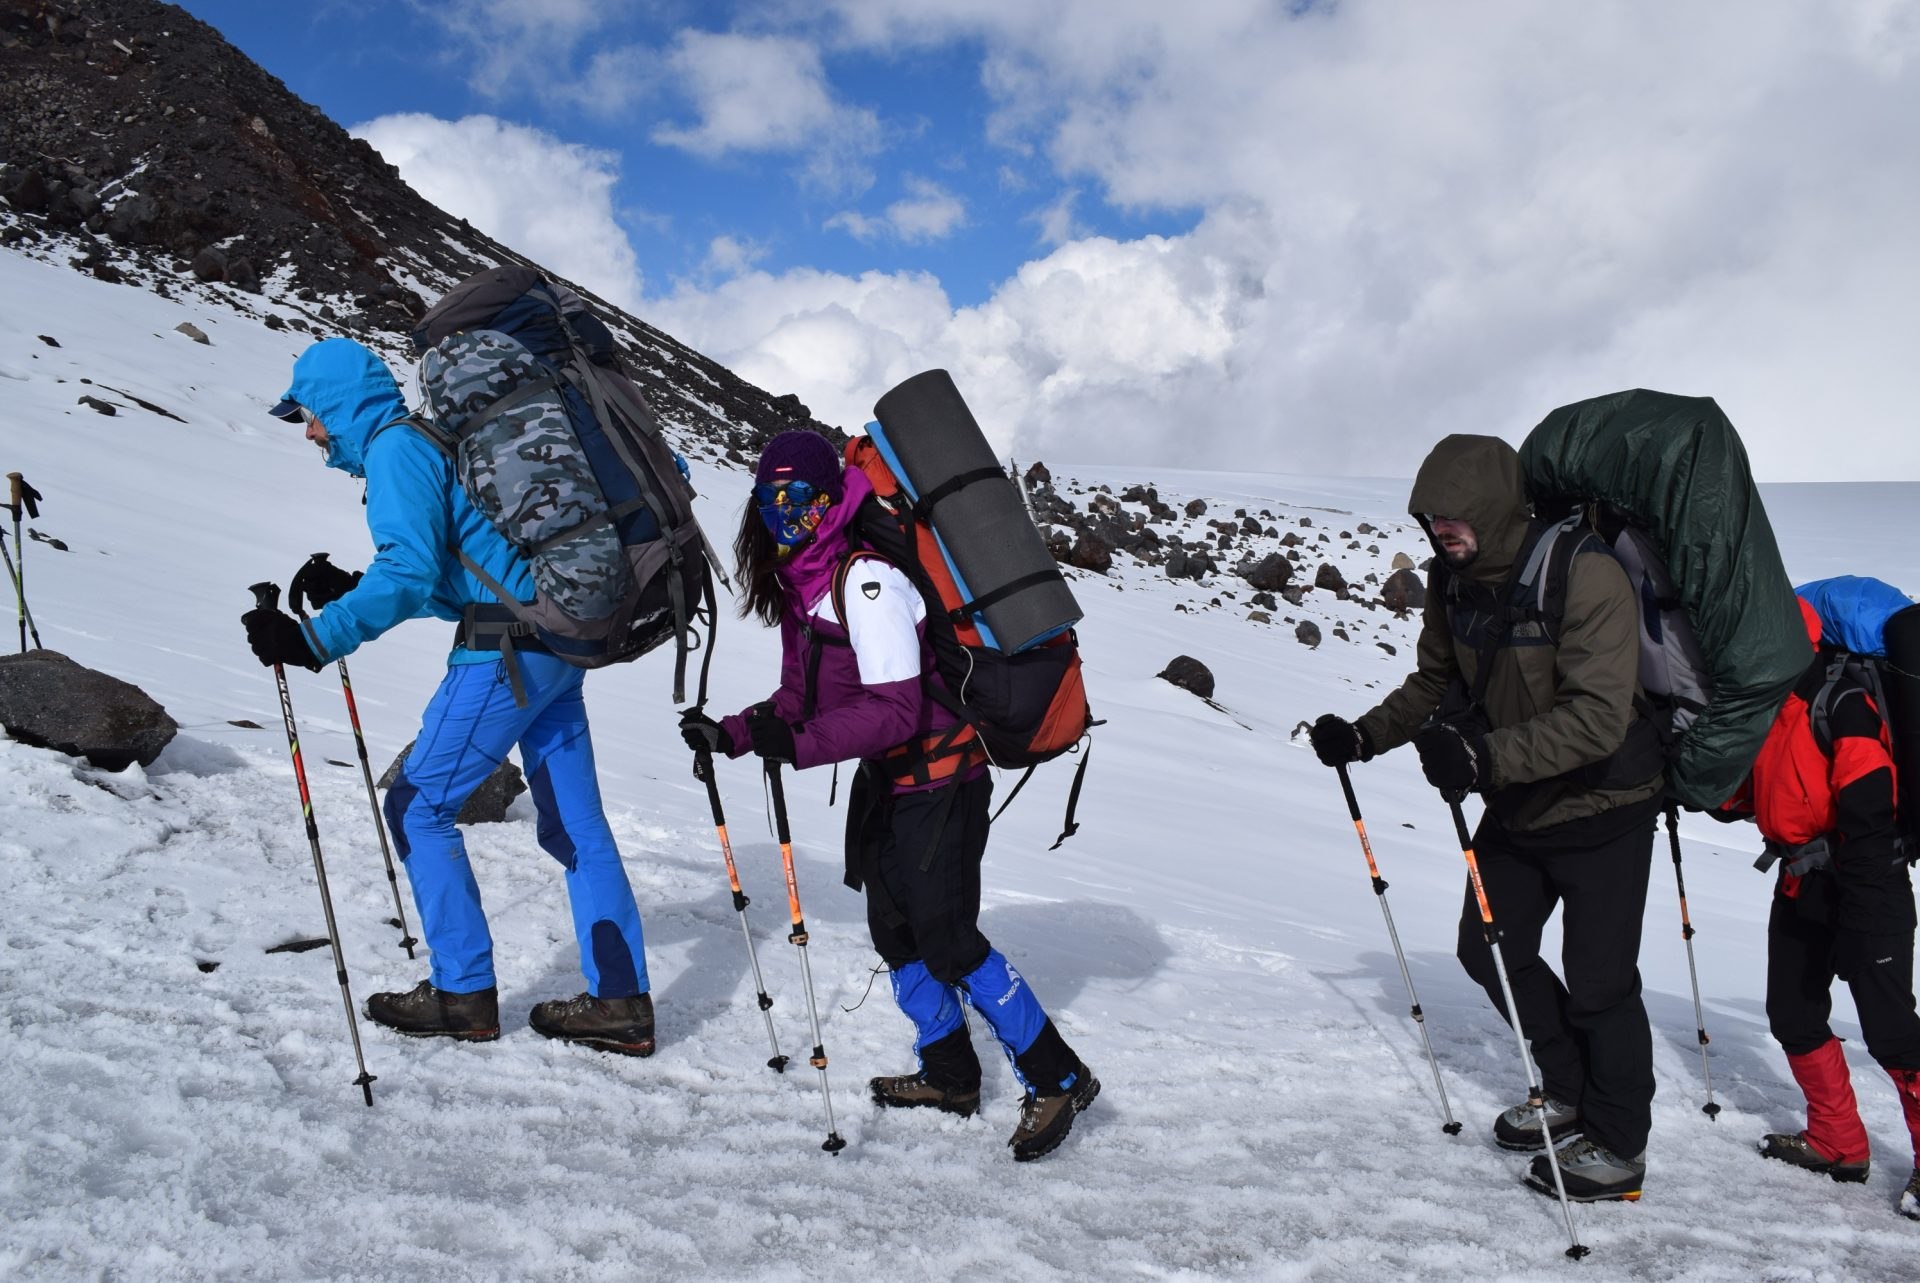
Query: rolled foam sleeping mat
{"type": "Point", "coordinates": [931, 441]}
{"type": "Point", "coordinates": [1902, 680]}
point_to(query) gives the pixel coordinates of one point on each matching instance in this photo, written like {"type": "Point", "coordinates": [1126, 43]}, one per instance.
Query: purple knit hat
{"type": "Point", "coordinates": [801, 456]}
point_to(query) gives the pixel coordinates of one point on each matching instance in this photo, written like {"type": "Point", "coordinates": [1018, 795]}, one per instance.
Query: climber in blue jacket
{"type": "Point", "coordinates": [422, 523]}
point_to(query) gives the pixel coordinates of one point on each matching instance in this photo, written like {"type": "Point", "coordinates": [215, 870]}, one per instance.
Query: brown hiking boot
{"type": "Point", "coordinates": [1046, 1120]}
{"type": "Point", "coordinates": [1909, 1204]}
{"type": "Point", "coordinates": [1799, 1151]}
{"type": "Point", "coordinates": [913, 1091]}
{"type": "Point", "coordinates": [426, 1012]}
{"type": "Point", "coordinates": [623, 1025]}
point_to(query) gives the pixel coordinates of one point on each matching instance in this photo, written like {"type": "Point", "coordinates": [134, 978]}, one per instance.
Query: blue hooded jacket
{"type": "Point", "coordinates": [416, 511]}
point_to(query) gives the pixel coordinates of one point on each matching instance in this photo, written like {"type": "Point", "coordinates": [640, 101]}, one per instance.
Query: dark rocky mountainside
{"type": "Point", "coordinates": [166, 158]}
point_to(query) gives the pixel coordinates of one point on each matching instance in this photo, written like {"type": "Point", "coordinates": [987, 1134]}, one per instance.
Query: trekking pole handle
{"type": "Point", "coordinates": [779, 792]}
{"type": "Point", "coordinates": [1346, 786]}
{"type": "Point", "coordinates": [266, 595]}
{"type": "Point", "coordinates": [17, 490]}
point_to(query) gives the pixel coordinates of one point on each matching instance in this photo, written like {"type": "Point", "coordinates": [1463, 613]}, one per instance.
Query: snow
{"type": "Point", "coordinates": [178, 1102]}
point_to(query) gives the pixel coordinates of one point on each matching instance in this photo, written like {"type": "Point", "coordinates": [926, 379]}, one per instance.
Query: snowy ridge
{"type": "Point", "coordinates": [179, 1102]}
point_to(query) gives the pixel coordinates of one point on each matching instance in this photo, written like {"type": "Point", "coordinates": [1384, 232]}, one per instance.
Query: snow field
{"type": "Point", "coordinates": [1208, 942]}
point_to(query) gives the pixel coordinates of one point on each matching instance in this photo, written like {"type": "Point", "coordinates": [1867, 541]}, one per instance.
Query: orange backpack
{"type": "Point", "coordinates": [1019, 709]}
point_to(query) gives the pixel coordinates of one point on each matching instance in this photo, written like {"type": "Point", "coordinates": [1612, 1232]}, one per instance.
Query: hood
{"type": "Point", "coordinates": [349, 388]}
{"type": "Point", "coordinates": [809, 572]}
{"type": "Point", "coordinates": [1476, 480]}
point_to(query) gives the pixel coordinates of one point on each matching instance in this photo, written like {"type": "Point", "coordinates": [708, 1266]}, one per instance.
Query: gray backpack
{"type": "Point", "coordinates": [561, 455]}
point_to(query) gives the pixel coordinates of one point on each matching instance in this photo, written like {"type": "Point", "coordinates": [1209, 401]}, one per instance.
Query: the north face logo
{"type": "Point", "coordinates": [872, 590]}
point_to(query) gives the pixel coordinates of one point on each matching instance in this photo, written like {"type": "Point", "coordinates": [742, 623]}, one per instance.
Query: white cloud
{"type": "Point", "coordinates": [1442, 218]}
{"type": "Point", "coordinates": [757, 93]}
{"type": "Point", "coordinates": [547, 199]}
{"type": "Point", "coordinates": [928, 213]}
{"type": "Point", "coordinates": [1056, 218]}
{"type": "Point", "coordinates": [730, 255]}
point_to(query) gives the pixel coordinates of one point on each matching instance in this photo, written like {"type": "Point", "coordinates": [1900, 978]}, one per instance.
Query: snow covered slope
{"type": "Point", "coordinates": [176, 1101]}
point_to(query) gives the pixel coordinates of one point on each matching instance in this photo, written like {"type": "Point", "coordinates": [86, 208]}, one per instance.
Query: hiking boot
{"type": "Point", "coordinates": [1909, 1204]}
{"type": "Point", "coordinates": [1800, 1152]}
{"type": "Point", "coordinates": [426, 1012]}
{"type": "Point", "coordinates": [915, 1091]}
{"type": "Point", "coordinates": [1518, 1128]}
{"type": "Point", "coordinates": [1046, 1120]}
{"type": "Point", "coordinates": [1592, 1174]}
{"type": "Point", "coordinates": [623, 1025]}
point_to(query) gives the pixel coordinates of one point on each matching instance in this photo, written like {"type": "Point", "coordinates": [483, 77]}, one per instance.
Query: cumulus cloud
{"type": "Point", "coordinates": [761, 93]}
{"type": "Point", "coordinates": [929, 212]}
{"type": "Point", "coordinates": [547, 199]}
{"type": "Point", "coordinates": [1440, 218]}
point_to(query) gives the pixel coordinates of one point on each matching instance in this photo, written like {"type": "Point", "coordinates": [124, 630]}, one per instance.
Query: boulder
{"type": "Point", "coordinates": [49, 701]}
{"type": "Point", "coordinates": [1188, 673]}
{"type": "Point", "coordinates": [489, 802]}
{"type": "Point", "coordinates": [1404, 590]}
{"type": "Point", "coordinates": [1402, 562]}
{"type": "Point", "coordinates": [1090, 552]}
{"type": "Point", "coordinates": [1329, 578]}
{"type": "Point", "coordinates": [1271, 573]}
{"type": "Point", "coordinates": [1197, 508]}
{"type": "Point", "coordinates": [193, 332]}
{"type": "Point", "coordinates": [1307, 633]}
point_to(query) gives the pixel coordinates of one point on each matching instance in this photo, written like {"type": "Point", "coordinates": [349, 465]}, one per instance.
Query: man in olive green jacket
{"type": "Point", "coordinates": [1552, 737]}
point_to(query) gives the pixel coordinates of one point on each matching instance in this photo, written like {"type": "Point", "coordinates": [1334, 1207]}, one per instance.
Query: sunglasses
{"type": "Point", "coordinates": [785, 494]}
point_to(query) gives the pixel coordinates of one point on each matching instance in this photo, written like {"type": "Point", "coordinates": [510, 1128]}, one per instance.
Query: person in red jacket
{"type": "Point", "coordinates": [1843, 908]}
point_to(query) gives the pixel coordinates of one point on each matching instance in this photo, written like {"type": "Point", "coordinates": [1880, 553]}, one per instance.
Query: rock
{"type": "Point", "coordinates": [1259, 617]}
{"type": "Point", "coordinates": [1384, 646]}
{"type": "Point", "coordinates": [1329, 578]}
{"type": "Point", "coordinates": [1090, 552]}
{"type": "Point", "coordinates": [1271, 573]}
{"type": "Point", "coordinates": [1196, 508]}
{"type": "Point", "coordinates": [1249, 526]}
{"type": "Point", "coordinates": [209, 265]}
{"type": "Point", "coordinates": [95, 403]}
{"type": "Point", "coordinates": [1363, 528]}
{"type": "Point", "coordinates": [1404, 590]}
{"type": "Point", "coordinates": [1293, 595]}
{"type": "Point", "coordinates": [1060, 546]}
{"type": "Point", "coordinates": [193, 332]}
{"type": "Point", "coordinates": [1265, 601]}
{"type": "Point", "coordinates": [274, 322]}
{"type": "Point", "coordinates": [1188, 673]}
{"type": "Point", "coordinates": [48, 339]}
{"type": "Point", "coordinates": [1306, 523]}
{"type": "Point", "coordinates": [1341, 633]}
{"type": "Point", "coordinates": [489, 802]}
{"type": "Point", "coordinates": [49, 701]}
{"type": "Point", "coordinates": [1038, 475]}
{"type": "Point", "coordinates": [1290, 540]}
{"type": "Point", "coordinates": [1307, 633]}
{"type": "Point", "coordinates": [243, 275]}
{"type": "Point", "coordinates": [1177, 564]}
{"type": "Point", "coordinates": [1402, 562]}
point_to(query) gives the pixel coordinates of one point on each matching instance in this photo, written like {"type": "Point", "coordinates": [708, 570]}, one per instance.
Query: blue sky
{"type": "Point", "coordinates": [1308, 237]}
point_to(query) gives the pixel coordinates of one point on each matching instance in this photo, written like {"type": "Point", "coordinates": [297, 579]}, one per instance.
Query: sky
{"type": "Point", "coordinates": [1306, 237]}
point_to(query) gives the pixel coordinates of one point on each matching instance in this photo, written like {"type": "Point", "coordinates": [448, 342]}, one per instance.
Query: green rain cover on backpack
{"type": "Point", "coordinates": [1674, 466]}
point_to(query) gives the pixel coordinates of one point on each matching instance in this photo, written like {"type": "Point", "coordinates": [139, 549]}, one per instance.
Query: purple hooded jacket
{"type": "Point", "coordinates": [868, 697]}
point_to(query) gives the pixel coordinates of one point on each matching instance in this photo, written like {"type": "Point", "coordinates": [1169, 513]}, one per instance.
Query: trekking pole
{"type": "Point", "coordinates": [407, 940]}
{"type": "Point", "coordinates": [21, 495]}
{"type": "Point", "coordinates": [1536, 1095]}
{"type": "Point", "coordinates": [1710, 1109]}
{"type": "Point", "coordinates": [267, 597]}
{"type": "Point", "coordinates": [26, 616]}
{"type": "Point", "coordinates": [1450, 1127]}
{"type": "Point", "coordinates": [833, 1144]}
{"type": "Point", "coordinates": [703, 771]}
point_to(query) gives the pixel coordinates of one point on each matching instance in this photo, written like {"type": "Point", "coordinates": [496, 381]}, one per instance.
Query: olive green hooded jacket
{"type": "Point", "coordinates": [1553, 708]}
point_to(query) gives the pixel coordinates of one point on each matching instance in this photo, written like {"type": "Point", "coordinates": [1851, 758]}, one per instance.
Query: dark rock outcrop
{"type": "Point", "coordinates": [1188, 673]}
{"type": "Point", "coordinates": [49, 701]}
{"type": "Point", "coordinates": [1404, 590]}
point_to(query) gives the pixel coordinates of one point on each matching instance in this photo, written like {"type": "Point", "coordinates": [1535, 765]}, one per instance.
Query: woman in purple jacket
{"type": "Point", "coordinates": [854, 688]}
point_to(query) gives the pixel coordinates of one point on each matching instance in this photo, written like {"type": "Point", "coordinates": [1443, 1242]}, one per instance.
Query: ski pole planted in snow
{"type": "Point", "coordinates": [26, 616]}
{"type": "Point", "coordinates": [266, 596]}
{"type": "Point", "coordinates": [1710, 1109]}
{"type": "Point", "coordinates": [1450, 1127]}
{"type": "Point", "coordinates": [703, 771]}
{"type": "Point", "coordinates": [833, 1144]}
{"type": "Point", "coordinates": [21, 495]}
{"type": "Point", "coordinates": [407, 940]}
{"type": "Point", "coordinates": [1536, 1095]}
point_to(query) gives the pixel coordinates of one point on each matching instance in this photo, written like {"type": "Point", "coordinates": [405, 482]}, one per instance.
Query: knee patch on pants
{"type": "Point", "coordinates": [549, 830]}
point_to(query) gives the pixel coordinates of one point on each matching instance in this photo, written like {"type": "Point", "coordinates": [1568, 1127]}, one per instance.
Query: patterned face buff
{"type": "Point", "coordinates": [792, 510]}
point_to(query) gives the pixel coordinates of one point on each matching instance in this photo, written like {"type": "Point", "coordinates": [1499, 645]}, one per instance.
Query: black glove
{"type": "Point", "coordinates": [772, 738]}
{"type": "Point", "coordinates": [1455, 761]}
{"type": "Point", "coordinates": [320, 582]}
{"type": "Point", "coordinates": [703, 734]}
{"type": "Point", "coordinates": [1336, 741]}
{"type": "Point", "coordinates": [277, 638]}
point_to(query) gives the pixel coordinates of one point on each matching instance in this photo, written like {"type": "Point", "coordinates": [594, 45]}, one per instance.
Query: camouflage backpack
{"type": "Point", "coordinates": [559, 452]}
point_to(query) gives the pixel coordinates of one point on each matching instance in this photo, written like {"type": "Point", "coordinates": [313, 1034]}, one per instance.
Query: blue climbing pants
{"type": "Point", "coordinates": [465, 733]}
